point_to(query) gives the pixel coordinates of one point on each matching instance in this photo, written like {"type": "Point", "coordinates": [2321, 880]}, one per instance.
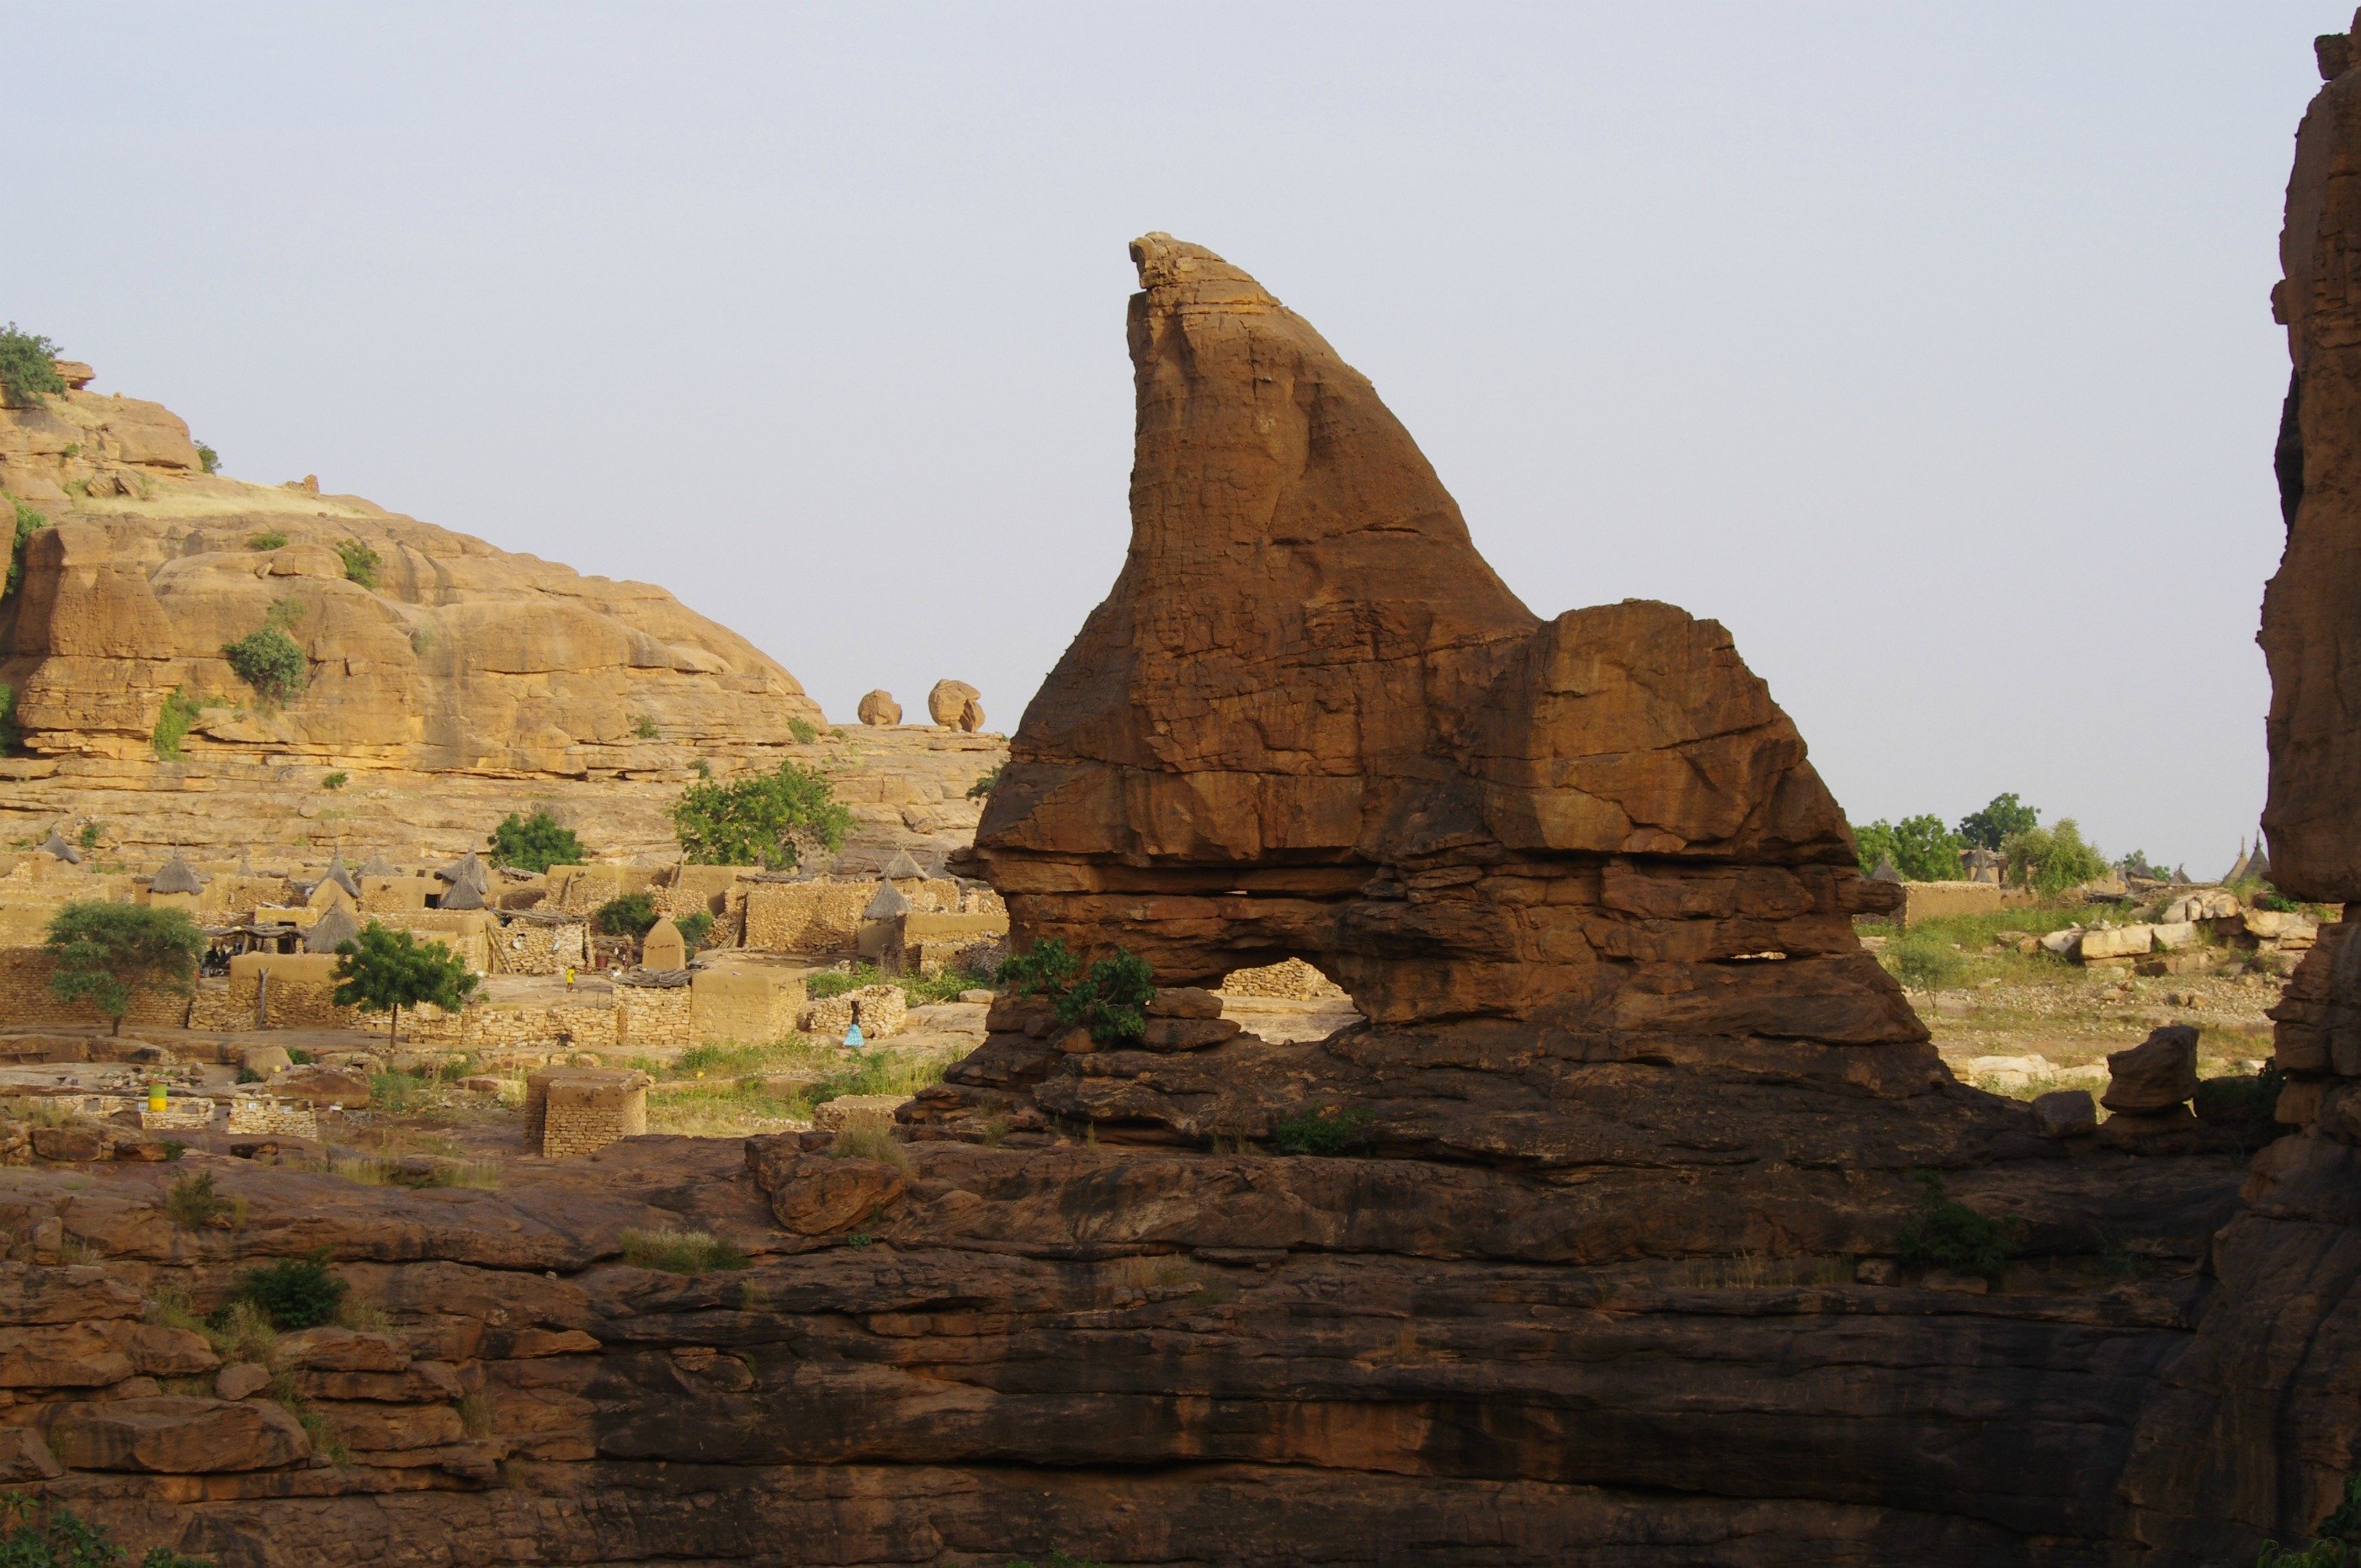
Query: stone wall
{"type": "Point", "coordinates": [264, 1115]}
{"type": "Point", "coordinates": [883, 1010]}
{"type": "Point", "coordinates": [573, 1111]}
{"type": "Point", "coordinates": [805, 916]}
{"type": "Point", "coordinates": [1291, 980]}
{"type": "Point", "coordinates": [467, 932]}
{"type": "Point", "coordinates": [298, 997]}
{"type": "Point", "coordinates": [1939, 900]}
{"type": "Point", "coordinates": [26, 997]}
{"type": "Point", "coordinates": [527, 945]}
{"type": "Point", "coordinates": [586, 1026]}
{"type": "Point", "coordinates": [742, 1006]}
{"type": "Point", "coordinates": [652, 1015]}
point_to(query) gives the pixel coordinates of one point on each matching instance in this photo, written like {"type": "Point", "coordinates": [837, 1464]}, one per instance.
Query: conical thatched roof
{"type": "Point", "coordinates": [1885, 872]}
{"type": "Point", "coordinates": [468, 871]}
{"type": "Point", "coordinates": [903, 865]}
{"type": "Point", "coordinates": [887, 904]}
{"type": "Point", "coordinates": [337, 873]}
{"type": "Point", "coordinates": [335, 927]}
{"type": "Point", "coordinates": [378, 865]}
{"type": "Point", "coordinates": [464, 895]}
{"type": "Point", "coordinates": [56, 845]}
{"type": "Point", "coordinates": [177, 876]}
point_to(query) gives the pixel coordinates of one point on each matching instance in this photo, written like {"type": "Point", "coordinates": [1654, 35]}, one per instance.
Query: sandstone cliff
{"type": "Point", "coordinates": [447, 678]}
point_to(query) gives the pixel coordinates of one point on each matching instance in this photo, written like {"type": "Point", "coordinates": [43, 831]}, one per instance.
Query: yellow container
{"type": "Point", "coordinates": [156, 1097]}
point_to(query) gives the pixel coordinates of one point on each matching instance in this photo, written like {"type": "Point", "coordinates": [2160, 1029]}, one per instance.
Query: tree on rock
{"type": "Point", "coordinates": [535, 843]}
{"type": "Point", "coordinates": [106, 954]}
{"type": "Point", "coordinates": [765, 819]}
{"type": "Point", "coordinates": [383, 971]}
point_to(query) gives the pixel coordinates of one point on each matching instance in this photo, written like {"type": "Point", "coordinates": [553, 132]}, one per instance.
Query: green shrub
{"type": "Point", "coordinates": [2244, 1104]}
{"type": "Point", "coordinates": [270, 661]}
{"type": "Point", "coordinates": [293, 1293]}
{"type": "Point", "coordinates": [644, 726]}
{"type": "Point", "coordinates": [12, 738]}
{"type": "Point", "coordinates": [1046, 969]}
{"type": "Point", "coordinates": [766, 819]}
{"type": "Point", "coordinates": [336, 779]}
{"type": "Point", "coordinates": [360, 562]}
{"type": "Point", "coordinates": [397, 1093]}
{"type": "Point", "coordinates": [1922, 961]}
{"type": "Point", "coordinates": [192, 1202]}
{"type": "Point", "coordinates": [89, 835]}
{"type": "Point", "coordinates": [208, 459]}
{"type": "Point", "coordinates": [2319, 1555]}
{"type": "Point", "coordinates": [802, 731]}
{"type": "Point", "coordinates": [1946, 1233]}
{"type": "Point", "coordinates": [28, 523]}
{"type": "Point", "coordinates": [695, 928]}
{"type": "Point", "coordinates": [28, 368]}
{"type": "Point", "coordinates": [2271, 898]}
{"type": "Point", "coordinates": [535, 843]}
{"type": "Point", "coordinates": [173, 722]}
{"type": "Point", "coordinates": [681, 1252]}
{"type": "Point", "coordinates": [1323, 1132]}
{"type": "Point", "coordinates": [248, 1075]}
{"type": "Point", "coordinates": [2052, 858]}
{"type": "Point", "coordinates": [982, 785]}
{"type": "Point", "coordinates": [1921, 848]}
{"type": "Point", "coordinates": [631, 916]}
{"type": "Point", "coordinates": [1111, 1000]}
{"type": "Point", "coordinates": [56, 1537]}
{"type": "Point", "coordinates": [270, 539]}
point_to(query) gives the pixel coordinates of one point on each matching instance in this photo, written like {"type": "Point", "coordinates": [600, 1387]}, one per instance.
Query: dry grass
{"type": "Point", "coordinates": [871, 1143]}
{"type": "Point", "coordinates": [681, 1252]}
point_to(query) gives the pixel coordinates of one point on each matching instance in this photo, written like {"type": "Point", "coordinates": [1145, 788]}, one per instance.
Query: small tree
{"type": "Point", "coordinates": [2052, 858]}
{"type": "Point", "coordinates": [1986, 829]}
{"type": "Point", "coordinates": [106, 954]}
{"type": "Point", "coordinates": [633, 915]}
{"type": "Point", "coordinates": [1921, 848]}
{"type": "Point", "coordinates": [383, 971]}
{"type": "Point", "coordinates": [766, 819]}
{"type": "Point", "coordinates": [28, 368]}
{"type": "Point", "coordinates": [28, 523]}
{"type": "Point", "coordinates": [535, 843]}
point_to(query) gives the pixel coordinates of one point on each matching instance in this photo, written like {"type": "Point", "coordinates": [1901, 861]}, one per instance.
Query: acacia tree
{"type": "Point", "coordinates": [765, 819]}
{"type": "Point", "coordinates": [106, 954]}
{"type": "Point", "coordinates": [384, 970]}
{"type": "Point", "coordinates": [535, 843]}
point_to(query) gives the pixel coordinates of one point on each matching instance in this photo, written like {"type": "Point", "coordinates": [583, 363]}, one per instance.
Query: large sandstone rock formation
{"type": "Point", "coordinates": [456, 681]}
{"type": "Point", "coordinates": [1309, 721]}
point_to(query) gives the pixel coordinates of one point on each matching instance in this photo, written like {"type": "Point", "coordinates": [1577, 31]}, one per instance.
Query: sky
{"type": "Point", "coordinates": [1927, 348]}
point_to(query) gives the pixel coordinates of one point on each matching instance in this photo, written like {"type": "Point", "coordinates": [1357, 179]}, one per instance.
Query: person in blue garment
{"type": "Point", "coordinates": [852, 1041]}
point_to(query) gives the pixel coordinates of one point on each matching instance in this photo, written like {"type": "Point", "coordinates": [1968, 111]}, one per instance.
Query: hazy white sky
{"type": "Point", "coordinates": [1928, 348]}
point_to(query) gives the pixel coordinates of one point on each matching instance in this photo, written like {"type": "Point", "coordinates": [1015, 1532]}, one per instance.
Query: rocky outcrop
{"type": "Point", "coordinates": [422, 648]}
{"type": "Point", "coordinates": [879, 708]}
{"type": "Point", "coordinates": [444, 677]}
{"type": "Point", "coordinates": [1309, 721]}
{"type": "Point", "coordinates": [956, 704]}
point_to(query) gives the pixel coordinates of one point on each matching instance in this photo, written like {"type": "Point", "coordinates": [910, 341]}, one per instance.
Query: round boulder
{"type": "Point", "coordinates": [879, 708]}
{"type": "Point", "coordinates": [954, 702]}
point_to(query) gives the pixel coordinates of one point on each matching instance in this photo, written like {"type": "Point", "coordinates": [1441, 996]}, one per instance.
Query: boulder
{"type": "Point", "coordinates": [176, 1435]}
{"type": "Point", "coordinates": [25, 1457]}
{"type": "Point", "coordinates": [819, 1195]}
{"type": "Point", "coordinates": [1184, 1002]}
{"type": "Point", "coordinates": [241, 1380]}
{"type": "Point", "coordinates": [2065, 944]}
{"type": "Point", "coordinates": [71, 1144]}
{"type": "Point", "coordinates": [879, 708]}
{"type": "Point", "coordinates": [2064, 1113]}
{"type": "Point", "coordinates": [2117, 942]}
{"type": "Point", "coordinates": [949, 703]}
{"type": "Point", "coordinates": [2154, 1076]}
{"type": "Point", "coordinates": [847, 1111]}
{"type": "Point", "coordinates": [324, 1086]}
{"type": "Point", "coordinates": [265, 1060]}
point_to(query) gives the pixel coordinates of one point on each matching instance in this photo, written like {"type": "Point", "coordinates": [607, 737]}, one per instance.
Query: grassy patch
{"type": "Point", "coordinates": [268, 539]}
{"type": "Point", "coordinates": [919, 990]}
{"type": "Point", "coordinates": [681, 1252]}
{"type": "Point", "coordinates": [173, 721]}
{"type": "Point", "coordinates": [192, 1202]}
{"type": "Point", "coordinates": [871, 1143]}
{"type": "Point", "coordinates": [1323, 1132]}
{"type": "Point", "coordinates": [1946, 1233]}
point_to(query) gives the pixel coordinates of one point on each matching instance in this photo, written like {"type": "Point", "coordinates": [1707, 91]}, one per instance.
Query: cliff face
{"type": "Point", "coordinates": [453, 657]}
{"type": "Point", "coordinates": [459, 683]}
